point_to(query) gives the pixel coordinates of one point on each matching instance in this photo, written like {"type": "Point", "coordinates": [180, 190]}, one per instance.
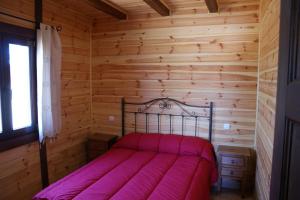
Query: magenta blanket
{"type": "Point", "coordinates": [142, 166]}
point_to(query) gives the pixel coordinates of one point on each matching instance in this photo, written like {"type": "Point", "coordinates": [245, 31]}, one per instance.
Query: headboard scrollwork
{"type": "Point", "coordinates": [170, 108]}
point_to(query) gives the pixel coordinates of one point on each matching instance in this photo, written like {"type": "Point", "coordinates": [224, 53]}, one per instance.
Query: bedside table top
{"type": "Point", "coordinates": [231, 150]}
{"type": "Point", "coordinates": [102, 137]}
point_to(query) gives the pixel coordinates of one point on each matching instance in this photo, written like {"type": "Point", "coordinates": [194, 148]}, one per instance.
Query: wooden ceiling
{"type": "Point", "coordinates": [124, 9]}
{"type": "Point", "coordinates": [162, 7]}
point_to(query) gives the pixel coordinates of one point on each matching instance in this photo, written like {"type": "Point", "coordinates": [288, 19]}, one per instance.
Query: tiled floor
{"type": "Point", "coordinates": [230, 195]}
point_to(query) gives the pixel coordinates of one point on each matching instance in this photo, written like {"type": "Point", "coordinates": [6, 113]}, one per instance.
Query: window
{"type": "Point", "coordinates": [20, 85]}
{"type": "Point", "coordinates": [18, 124]}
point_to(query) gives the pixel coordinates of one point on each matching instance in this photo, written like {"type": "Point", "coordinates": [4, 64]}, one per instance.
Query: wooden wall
{"type": "Point", "coordinates": [192, 56]}
{"type": "Point", "coordinates": [19, 167]}
{"type": "Point", "coordinates": [268, 64]}
{"type": "Point", "coordinates": [68, 152]}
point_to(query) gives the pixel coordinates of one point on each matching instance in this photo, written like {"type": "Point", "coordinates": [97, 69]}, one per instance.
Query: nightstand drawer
{"type": "Point", "coordinates": [233, 161]}
{"type": "Point", "coordinates": [232, 172]}
{"type": "Point", "coordinates": [236, 165]}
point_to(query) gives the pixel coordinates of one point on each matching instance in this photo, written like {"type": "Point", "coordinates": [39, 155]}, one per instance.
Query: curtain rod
{"type": "Point", "coordinates": [58, 28]}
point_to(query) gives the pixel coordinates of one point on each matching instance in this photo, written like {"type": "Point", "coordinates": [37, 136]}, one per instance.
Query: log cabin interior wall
{"type": "Point", "coordinates": [192, 56]}
{"type": "Point", "coordinates": [19, 167]}
{"type": "Point", "coordinates": [268, 65]}
{"type": "Point", "coordinates": [68, 151]}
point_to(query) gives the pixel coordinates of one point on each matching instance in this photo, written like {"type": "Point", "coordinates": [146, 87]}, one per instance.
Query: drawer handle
{"type": "Point", "coordinates": [232, 161]}
{"type": "Point", "coordinates": [231, 172]}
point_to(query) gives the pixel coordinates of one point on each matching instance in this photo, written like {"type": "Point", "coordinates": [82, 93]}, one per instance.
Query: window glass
{"type": "Point", "coordinates": [20, 86]}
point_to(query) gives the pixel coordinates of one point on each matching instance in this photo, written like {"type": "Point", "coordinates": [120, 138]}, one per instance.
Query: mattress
{"type": "Point", "coordinates": [143, 166]}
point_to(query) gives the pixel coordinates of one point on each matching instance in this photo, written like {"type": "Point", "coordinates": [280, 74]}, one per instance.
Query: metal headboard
{"type": "Point", "coordinates": [164, 104]}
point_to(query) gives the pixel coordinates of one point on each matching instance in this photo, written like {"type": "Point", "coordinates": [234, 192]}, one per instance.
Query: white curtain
{"type": "Point", "coordinates": [48, 81]}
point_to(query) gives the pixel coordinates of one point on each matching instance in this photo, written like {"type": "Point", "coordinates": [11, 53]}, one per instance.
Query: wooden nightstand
{"type": "Point", "coordinates": [98, 144]}
{"type": "Point", "coordinates": [238, 164]}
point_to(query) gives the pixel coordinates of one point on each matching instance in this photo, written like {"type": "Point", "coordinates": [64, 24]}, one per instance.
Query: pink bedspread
{"type": "Point", "coordinates": [143, 166]}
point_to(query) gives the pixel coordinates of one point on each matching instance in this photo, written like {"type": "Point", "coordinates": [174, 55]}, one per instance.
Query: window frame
{"type": "Point", "coordinates": [10, 138]}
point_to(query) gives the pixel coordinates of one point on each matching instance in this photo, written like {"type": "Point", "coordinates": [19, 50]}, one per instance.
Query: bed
{"type": "Point", "coordinates": [144, 165]}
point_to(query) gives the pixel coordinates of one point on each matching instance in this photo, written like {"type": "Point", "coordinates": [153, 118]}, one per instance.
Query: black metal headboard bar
{"type": "Point", "coordinates": [170, 99]}
{"type": "Point", "coordinates": [165, 104]}
{"type": "Point", "coordinates": [162, 114]}
{"type": "Point", "coordinates": [210, 120]}
{"type": "Point", "coordinates": [123, 116]}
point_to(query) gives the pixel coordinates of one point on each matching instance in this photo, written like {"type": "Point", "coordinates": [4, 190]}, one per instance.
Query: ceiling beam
{"type": "Point", "coordinates": [107, 8]}
{"type": "Point", "coordinates": [212, 6]}
{"type": "Point", "coordinates": [159, 7]}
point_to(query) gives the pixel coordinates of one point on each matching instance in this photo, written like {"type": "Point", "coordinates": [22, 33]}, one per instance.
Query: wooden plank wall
{"type": "Point", "coordinates": [268, 64]}
{"type": "Point", "coordinates": [68, 152]}
{"type": "Point", "coordinates": [19, 167]}
{"type": "Point", "coordinates": [191, 56]}
{"type": "Point", "coordinates": [195, 58]}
